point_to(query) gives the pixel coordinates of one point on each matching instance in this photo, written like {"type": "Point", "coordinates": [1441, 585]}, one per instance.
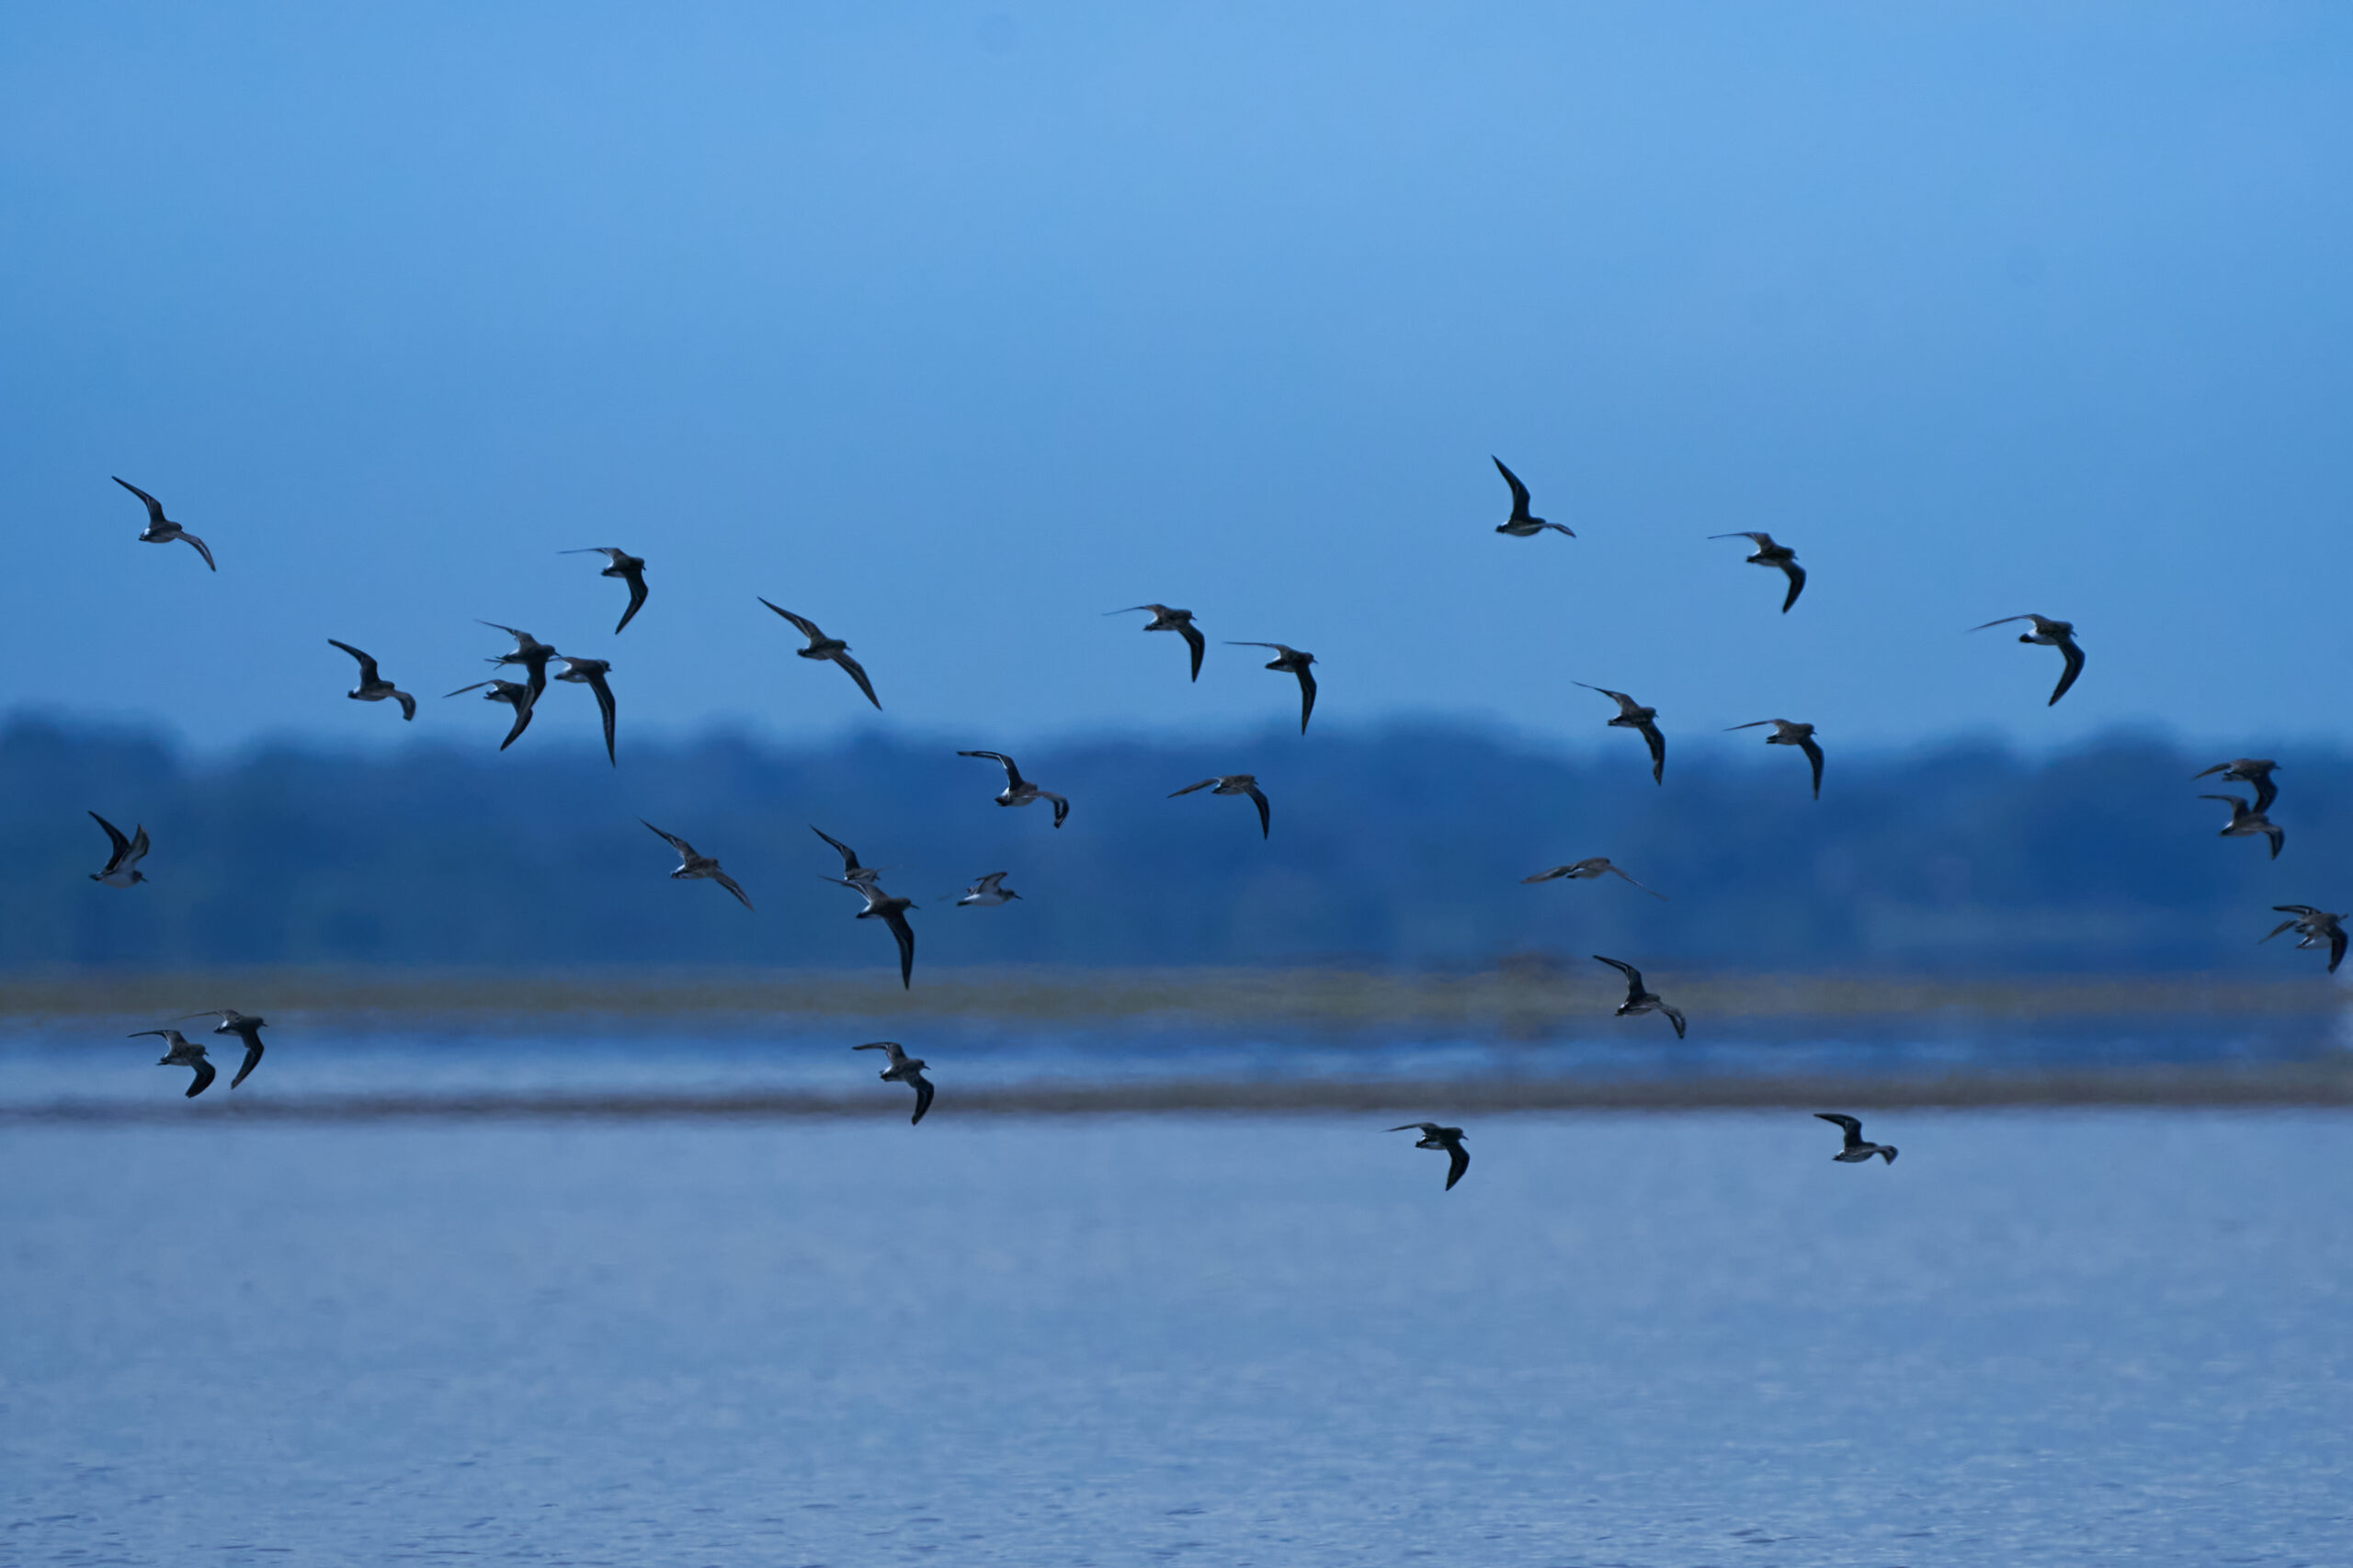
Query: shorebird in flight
{"type": "Point", "coordinates": [851, 870]}
{"type": "Point", "coordinates": [904, 1069]}
{"type": "Point", "coordinates": [2312, 927]}
{"type": "Point", "coordinates": [373, 686]}
{"type": "Point", "coordinates": [1639, 1000]}
{"type": "Point", "coordinates": [184, 1052]}
{"type": "Point", "coordinates": [2246, 822]}
{"type": "Point", "coordinates": [591, 673]}
{"type": "Point", "coordinates": [2048, 633]}
{"type": "Point", "coordinates": [1177, 621]}
{"type": "Point", "coordinates": [1019, 791]}
{"type": "Point", "coordinates": [893, 912]}
{"type": "Point", "coordinates": [1632, 715]}
{"type": "Point", "coordinates": [1433, 1136]}
{"type": "Point", "coordinates": [1291, 661]}
{"type": "Point", "coordinates": [1787, 732]}
{"type": "Point", "coordinates": [530, 652]}
{"type": "Point", "coordinates": [1779, 556]}
{"type": "Point", "coordinates": [692, 866]}
{"type": "Point", "coordinates": [1520, 524]}
{"type": "Point", "coordinates": [123, 857]}
{"type": "Point", "coordinates": [514, 693]}
{"type": "Point", "coordinates": [1234, 784]}
{"type": "Point", "coordinates": [248, 1028]}
{"type": "Point", "coordinates": [824, 647]}
{"type": "Point", "coordinates": [1856, 1152]}
{"type": "Point", "coordinates": [2254, 770]}
{"type": "Point", "coordinates": [989, 892]}
{"type": "Point", "coordinates": [628, 568]}
{"type": "Point", "coordinates": [161, 529]}
{"type": "Point", "coordinates": [1592, 866]}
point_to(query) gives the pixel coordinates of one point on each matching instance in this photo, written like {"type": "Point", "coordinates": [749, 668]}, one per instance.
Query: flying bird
{"type": "Point", "coordinates": [1520, 524]}
{"type": "Point", "coordinates": [628, 568]}
{"type": "Point", "coordinates": [373, 686]}
{"type": "Point", "coordinates": [245, 1028]}
{"type": "Point", "coordinates": [893, 912]}
{"type": "Point", "coordinates": [1639, 1000]}
{"type": "Point", "coordinates": [1779, 556]}
{"type": "Point", "coordinates": [2254, 770]}
{"type": "Point", "coordinates": [824, 647]}
{"type": "Point", "coordinates": [1433, 1136]}
{"type": "Point", "coordinates": [2246, 823]}
{"type": "Point", "coordinates": [514, 693]}
{"type": "Point", "coordinates": [184, 1052]}
{"type": "Point", "coordinates": [851, 870]}
{"type": "Point", "coordinates": [692, 866]}
{"type": "Point", "coordinates": [904, 1069]}
{"type": "Point", "coordinates": [2312, 927]}
{"type": "Point", "coordinates": [989, 892]}
{"type": "Point", "coordinates": [530, 652]}
{"type": "Point", "coordinates": [1789, 733]}
{"type": "Point", "coordinates": [1292, 661]}
{"type": "Point", "coordinates": [122, 859]}
{"type": "Point", "coordinates": [2048, 633]}
{"type": "Point", "coordinates": [1591, 867]}
{"type": "Point", "coordinates": [1632, 715]}
{"type": "Point", "coordinates": [1856, 1152]}
{"type": "Point", "coordinates": [1177, 621]}
{"type": "Point", "coordinates": [1234, 784]}
{"type": "Point", "coordinates": [161, 529]}
{"type": "Point", "coordinates": [1019, 791]}
{"type": "Point", "coordinates": [591, 673]}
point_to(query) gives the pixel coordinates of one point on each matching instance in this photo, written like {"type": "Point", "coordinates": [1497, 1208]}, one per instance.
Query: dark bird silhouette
{"type": "Point", "coordinates": [904, 1069]}
{"type": "Point", "coordinates": [530, 652]}
{"type": "Point", "coordinates": [824, 647]}
{"type": "Point", "coordinates": [1585, 869]}
{"type": "Point", "coordinates": [123, 855]}
{"type": "Point", "coordinates": [1291, 661]}
{"type": "Point", "coordinates": [161, 529]}
{"type": "Point", "coordinates": [1019, 791]}
{"type": "Point", "coordinates": [692, 866]}
{"type": "Point", "coordinates": [989, 892]}
{"type": "Point", "coordinates": [373, 686]}
{"type": "Point", "coordinates": [1856, 1152]}
{"type": "Point", "coordinates": [184, 1052]}
{"type": "Point", "coordinates": [591, 673]}
{"type": "Point", "coordinates": [891, 912]}
{"type": "Point", "coordinates": [1234, 784]}
{"type": "Point", "coordinates": [2312, 927]}
{"type": "Point", "coordinates": [1458, 1158]}
{"type": "Point", "coordinates": [851, 870]}
{"type": "Point", "coordinates": [1787, 733]}
{"type": "Point", "coordinates": [2048, 633]}
{"type": "Point", "coordinates": [2246, 823]}
{"type": "Point", "coordinates": [1520, 524]}
{"type": "Point", "coordinates": [512, 693]}
{"type": "Point", "coordinates": [628, 568]}
{"type": "Point", "coordinates": [1639, 1000]}
{"type": "Point", "coordinates": [1180, 621]}
{"type": "Point", "coordinates": [1632, 715]}
{"type": "Point", "coordinates": [1779, 556]}
{"type": "Point", "coordinates": [2254, 770]}
{"type": "Point", "coordinates": [248, 1028]}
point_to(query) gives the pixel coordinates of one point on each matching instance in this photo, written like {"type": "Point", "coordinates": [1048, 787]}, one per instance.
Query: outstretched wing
{"type": "Point", "coordinates": [1191, 788]}
{"type": "Point", "coordinates": [408, 705]}
{"type": "Point", "coordinates": [2004, 621]}
{"type": "Point", "coordinates": [723, 880]}
{"type": "Point", "coordinates": [2336, 947]}
{"type": "Point", "coordinates": [858, 674]}
{"type": "Point", "coordinates": [849, 856]}
{"type": "Point", "coordinates": [1615, 872]}
{"type": "Point", "coordinates": [1633, 976]}
{"type": "Point", "coordinates": [366, 664]}
{"type": "Point", "coordinates": [604, 705]}
{"type": "Point", "coordinates": [201, 548]}
{"type": "Point", "coordinates": [808, 628]}
{"type": "Point", "coordinates": [253, 1059]}
{"type": "Point", "coordinates": [1265, 817]}
{"type": "Point", "coordinates": [685, 851]}
{"type": "Point", "coordinates": [205, 1074]}
{"type": "Point", "coordinates": [1854, 1128]}
{"type": "Point", "coordinates": [1457, 1160]}
{"type": "Point", "coordinates": [1195, 641]}
{"type": "Point", "coordinates": [2075, 657]}
{"type": "Point", "coordinates": [923, 1097]}
{"type": "Point", "coordinates": [139, 847]}
{"type": "Point", "coordinates": [522, 722]}
{"type": "Point", "coordinates": [897, 920]}
{"type": "Point", "coordinates": [1306, 696]}
{"type": "Point", "coordinates": [1062, 807]}
{"type": "Point", "coordinates": [120, 845]}
{"type": "Point", "coordinates": [1658, 751]}
{"type": "Point", "coordinates": [1797, 583]}
{"type": "Point", "coordinates": [636, 597]}
{"type": "Point", "coordinates": [1012, 774]}
{"type": "Point", "coordinates": [155, 507]}
{"type": "Point", "coordinates": [1674, 1016]}
{"type": "Point", "coordinates": [1518, 491]}
{"type": "Point", "coordinates": [1813, 755]}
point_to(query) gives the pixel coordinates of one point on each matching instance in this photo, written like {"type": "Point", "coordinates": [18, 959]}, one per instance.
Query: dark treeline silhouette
{"type": "Point", "coordinates": [1401, 847]}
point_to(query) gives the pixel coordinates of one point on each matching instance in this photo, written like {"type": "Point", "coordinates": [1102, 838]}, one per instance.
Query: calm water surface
{"type": "Point", "coordinates": [1668, 1340]}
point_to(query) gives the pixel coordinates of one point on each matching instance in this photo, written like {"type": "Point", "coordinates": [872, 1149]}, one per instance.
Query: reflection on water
{"type": "Point", "coordinates": [1653, 1339]}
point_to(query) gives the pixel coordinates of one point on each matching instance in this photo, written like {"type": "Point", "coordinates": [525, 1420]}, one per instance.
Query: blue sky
{"type": "Point", "coordinates": [954, 326]}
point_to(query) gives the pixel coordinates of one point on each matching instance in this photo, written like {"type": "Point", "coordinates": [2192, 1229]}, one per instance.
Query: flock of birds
{"type": "Point", "coordinates": [2314, 926]}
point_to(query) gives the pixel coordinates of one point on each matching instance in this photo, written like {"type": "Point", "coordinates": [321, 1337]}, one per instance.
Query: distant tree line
{"type": "Point", "coordinates": [1399, 847]}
